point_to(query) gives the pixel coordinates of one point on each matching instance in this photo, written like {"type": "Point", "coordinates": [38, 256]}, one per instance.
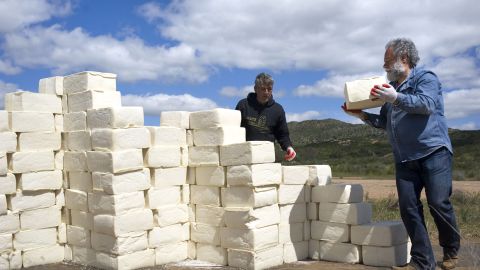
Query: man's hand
{"type": "Point", "coordinates": [290, 155]}
{"type": "Point", "coordinates": [385, 92]}
{"type": "Point", "coordinates": [355, 113]}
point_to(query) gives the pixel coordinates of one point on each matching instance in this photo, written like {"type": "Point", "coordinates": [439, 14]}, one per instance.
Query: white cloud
{"type": "Point", "coordinates": [151, 11]}
{"type": "Point", "coordinates": [308, 115]}
{"type": "Point", "coordinates": [462, 103]}
{"type": "Point", "coordinates": [6, 67]}
{"type": "Point", "coordinates": [6, 88]}
{"type": "Point", "coordinates": [232, 91]}
{"type": "Point", "coordinates": [154, 104]}
{"type": "Point", "coordinates": [331, 86]}
{"type": "Point", "coordinates": [466, 126]}
{"type": "Point", "coordinates": [458, 72]}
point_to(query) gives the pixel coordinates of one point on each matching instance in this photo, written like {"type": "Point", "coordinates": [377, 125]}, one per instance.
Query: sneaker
{"type": "Point", "coordinates": [449, 263]}
{"type": "Point", "coordinates": [405, 267]}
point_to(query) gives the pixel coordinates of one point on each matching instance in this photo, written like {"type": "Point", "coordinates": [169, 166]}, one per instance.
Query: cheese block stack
{"type": "Point", "coordinates": [31, 228]}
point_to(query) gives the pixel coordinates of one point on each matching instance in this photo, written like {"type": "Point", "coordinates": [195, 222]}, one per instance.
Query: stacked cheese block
{"type": "Point", "coordinates": [31, 228]}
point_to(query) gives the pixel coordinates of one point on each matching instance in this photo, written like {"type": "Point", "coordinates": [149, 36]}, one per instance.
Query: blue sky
{"type": "Point", "coordinates": [195, 55]}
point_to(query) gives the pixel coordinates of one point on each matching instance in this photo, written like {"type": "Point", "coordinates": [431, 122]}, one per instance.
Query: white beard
{"type": "Point", "coordinates": [396, 72]}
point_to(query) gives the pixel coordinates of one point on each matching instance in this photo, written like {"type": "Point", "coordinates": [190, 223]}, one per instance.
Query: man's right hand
{"type": "Point", "coordinates": [355, 113]}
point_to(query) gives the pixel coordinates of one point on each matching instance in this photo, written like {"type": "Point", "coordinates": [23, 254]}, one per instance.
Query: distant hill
{"type": "Point", "coordinates": [363, 151]}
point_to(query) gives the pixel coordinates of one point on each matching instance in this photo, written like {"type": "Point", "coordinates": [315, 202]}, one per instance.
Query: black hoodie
{"type": "Point", "coordinates": [264, 122]}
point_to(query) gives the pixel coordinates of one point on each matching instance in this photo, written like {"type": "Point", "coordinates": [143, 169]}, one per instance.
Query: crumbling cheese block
{"type": "Point", "coordinates": [205, 233]}
{"type": "Point", "coordinates": [331, 232]}
{"type": "Point", "coordinates": [80, 181]}
{"type": "Point", "coordinates": [250, 239]}
{"type": "Point", "coordinates": [88, 81]}
{"type": "Point", "coordinates": [295, 175]}
{"type": "Point", "coordinates": [163, 156]}
{"type": "Point", "coordinates": [206, 195]}
{"type": "Point", "coordinates": [288, 194]}
{"type": "Point", "coordinates": [247, 153]}
{"type": "Point", "coordinates": [213, 254]}
{"type": "Point", "coordinates": [75, 161]}
{"type": "Point", "coordinates": [254, 175]}
{"type": "Point", "coordinates": [208, 214]}
{"type": "Point", "coordinates": [79, 140]}
{"type": "Point", "coordinates": [9, 223]}
{"type": "Point", "coordinates": [115, 162]}
{"type": "Point", "coordinates": [340, 252]}
{"type": "Point", "coordinates": [293, 252]}
{"type": "Point", "coordinates": [33, 141]}
{"type": "Point", "coordinates": [119, 245]}
{"type": "Point", "coordinates": [81, 219]}
{"type": "Point", "coordinates": [159, 196]}
{"type": "Point", "coordinates": [290, 232]}
{"type": "Point", "coordinates": [251, 218]}
{"type": "Point", "coordinates": [319, 175]}
{"type": "Point", "coordinates": [218, 136]}
{"type": "Point", "coordinates": [4, 121]}
{"type": "Point", "coordinates": [357, 93]}
{"type": "Point", "coordinates": [396, 255]}
{"type": "Point", "coordinates": [133, 221]}
{"type": "Point", "coordinates": [338, 193]}
{"type": "Point", "coordinates": [349, 213]}
{"type": "Point", "coordinates": [78, 236]}
{"type": "Point", "coordinates": [169, 253]}
{"type": "Point", "coordinates": [170, 214]}
{"type": "Point", "coordinates": [44, 255]}
{"type": "Point", "coordinates": [122, 182]}
{"type": "Point", "coordinates": [168, 136]}
{"type": "Point", "coordinates": [51, 85]}
{"type": "Point", "coordinates": [117, 117]}
{"type": "Point", "coordinates": [291, 213]}
{"type": "Point", "coordinates": [31, 239]}
{"type": "Point", "coordinates": [139, 259]}
{"type": "Point", "coordinates": [99, 203]}
{"type": "Point", "coordinates": [32, 102]}
{"type": "Point", "coordinates": [49, 180]}
{"type": "Point", "coordinates": [120, 139]}
{"type": "Point", "coordinates": [31, 121]}
{"type": "Point", "coordinates": [256, 260]}
{"type": "Point", "coordinates": [29, 200]}
{"type": "Point", "coordinates": [32, 161]}
{"type": "Point", "coordinates": [75, 121]}
{"type": "Point", "coordinates": [210, 176]}
{"type": "Point", "coordinates": [248, 196]}
{"type": "Point", "coordinates": [41, 218]}
{"type": "Point", "coordinates": [383, 233]}
{"type": "Point", "coordinates": [180, 119]}
{"type": "Point", "coordinates": [203, 156]}
{"type": "Point", "coordinates": [94, 99]}
{"type": "Point", "coordinates": [9, 142]}
{"type": "Point", "coordinates": [160, 236]}
{"type": "Point", "coordinates": [215, 118]}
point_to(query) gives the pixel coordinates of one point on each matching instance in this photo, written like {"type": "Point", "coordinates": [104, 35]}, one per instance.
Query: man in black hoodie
{"type": "Point", "coordinates": [263, 118]}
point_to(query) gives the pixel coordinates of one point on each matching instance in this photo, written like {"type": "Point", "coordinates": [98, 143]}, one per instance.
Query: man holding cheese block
{"type": "Point", "coordinates": [413, 116]}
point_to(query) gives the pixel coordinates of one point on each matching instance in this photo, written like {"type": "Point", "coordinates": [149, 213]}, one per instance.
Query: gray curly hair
{"type": "Point", "coordinates": [263, 79]}
{"type": "Point", "coordinates": [404, 47]}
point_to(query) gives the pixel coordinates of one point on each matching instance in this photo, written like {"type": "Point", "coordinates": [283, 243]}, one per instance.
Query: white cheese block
{"type": "Point", "coordinates": [205, 233]}
{"type": "Point", "coordinates": [252, 218]}
{"type": "Point", "coordinates": [212, 215]}
{"type": "Point", "coordinates": [3, 204]}
{"type": "Point", "coordinates": [159, 236]}
{"type": "Point", "coordinates": [30, 239]}
{"type": "Point", "coordinates": [307, 235]}
{"type": "Point", "coordinates": [340, 252]}
{"type": "Point", "coordinates": [314, 249]}
{"type": "Point", "coordinates": [9, 142]}
{"type": "Point", "coordinates": [338, 193]}
{"type": "Point", "coordinates": [215, 118]}
{"type": "Point", "coordinates": [76, 199]}
{"type": "Point", "coordinates": [290, 213]}
{"type": "Point", "coordinates": [319, 175]}
{"type": "Point", "coordinates": [175, 176]}
{"type": "Point", "coordinates": [33, 102]}
{"type": "Point", "coordinates": [119, 245]}
{"type": "Point", "coordinates": [308, 193]}
{"type": "Point", "coordinates": [133, 221]}
{"type": "Point", "coordinates": [79, 140]}
{"type": "Point", "coordinates": [49, 180]}
{"type": "Point", "coordinates": [254, 175]}
{"type": "Point", "coordinates": [120, 139]}
{"type": "Point", "coordinates": [80, 181]}
{"type": "Point", "coordinates": [249, 196]}
{"type": "Point", "coordinates": [189, 137]}
{"type": "Point", "coordinates": [357, 93]}
{"type": "Point", "coordinates": [163, 156]}
{"type": "Point", "coordinates": [206, 195]}
{"type": "Point", "coordinates": [58, 158]}
{"type": "Point", "coordinates": [256, 260]}
{"type": "Point", "coordinates": [250, 239]}
{"type": "Point", "coordinates": [115, 162]}
{"type": "Point", "coordinates": [41, 218]}
{"type": "Point", "coordinates": [293, 252]}
{"type": "Point", "coordinates": [8, 184]}
{"type": "Point", "coordinates": [185, 194]}
{"type": "Point", "coordinates": [11, 260]}
{"type": "Point", "coordinates": [288, 194]}
{"type": "Point", "coordinates": [331, 232]}
{"type": "Point", "coordinates": [78, 236]}
{"type": "Point", "coordinates": [191, 175]}
{"type": "Point", "coordinates": [83, 255]}
{"type": "Point", "coordinates": [290, 232]}
{"type": "Point", "coordinates": [247, 153]}
{"type": "Point", "coordinates": [89, 80]}
{"type": "Point", "coordinates": [93, 99]}
{"type": "Point", "coordinates": [295, 175]}
{"type": "Point", "coordinates": [171, 253]}
{"type": "Point", "coordinates": [58, 118]}
{"type": "Point", "coordinates": [29, 200]}
{"type": "Point", "coordinates": [160, 196]}
{"type": "Point", "coordinates": [203, 156]}
{"type": "Point", "coordinates": [382, 233]}
{"type": "Point", "coordinates": [75, 121]}
{"type": "Point", "coordinates": [44, 255]}
{"type": "Point", "coordinates": [68, 253]}
{"type": "Point", "coordinates": [3, 166]}
{"type": "Point", "coordinates": [116, 117]}
{"type": "Point", "coordinates": [122, 182]}
{"type": "Point", "coordinates": [184, 155]}
{"type": "Point", "coordinates": [350, 213]}
{"type": "Point", "coordinates": [139, 259]}
{"type": "Point", "coordinates": [312, 211]}
{"type": "Point", "coordinates": [210, 176]}
{"type": "Point", "coordinates": [60, 197]}
{"type": "Point", "coordinates": [65, 104]}
{"type": "Point", "coordinates": [99, 203]}
{"type": "Point", "coordinates": [4, 121]}
{"type": "Point", "coordinates": [31, 121]}
{"type": "Point", "coordinates": [9, 223]}
{"type": "Point", "coordinates": [32, 161]}
{"type": "Point", "coordinates": [180, 119]}
{"type": "Point", "coordinates": [170, 214]}
{"type": "Point", "coordinates": [213, 254]}
{"type": "Point", "coordinates": [218, 136]}
{"type": "Point", "coordinates": [6, 244]}
{"type": "Point", "coordinates": [51, 85]}
{"type": "Point", "coordinates": [82, 219]}
{"type": "Point", "coordinates": [62, 233]}
{"type": "Point", "coordinates": [75, 161]}
{"type": "Point", "coordinates": [386, 256]}
{"type": "Point", "coordinates": [167, 136]}
{"type": "Point", "coordinates": [192, 250]}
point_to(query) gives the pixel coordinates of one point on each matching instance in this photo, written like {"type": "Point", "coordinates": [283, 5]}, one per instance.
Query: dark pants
{"type": "Point", "coordinates": [434, 173]}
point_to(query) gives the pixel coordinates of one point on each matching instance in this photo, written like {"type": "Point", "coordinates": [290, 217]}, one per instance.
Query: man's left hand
{"type": "Point", "coordinates": [385, 92]}
{"type": "Point", "coordinates": [290, 155]}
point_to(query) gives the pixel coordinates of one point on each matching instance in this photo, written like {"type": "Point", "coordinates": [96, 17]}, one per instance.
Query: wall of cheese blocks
{"type": "Point", "coordinates": [83, 180]}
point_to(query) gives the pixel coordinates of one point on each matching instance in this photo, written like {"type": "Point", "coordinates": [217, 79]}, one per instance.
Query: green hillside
{"type": "Point", "coordinates": [360, 150]}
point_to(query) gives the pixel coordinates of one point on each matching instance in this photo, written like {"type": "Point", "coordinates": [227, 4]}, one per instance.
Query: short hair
{"type": "Point", "coordinates": [404, 47]}
{"type": "Point", "coordinates": [263, 79]}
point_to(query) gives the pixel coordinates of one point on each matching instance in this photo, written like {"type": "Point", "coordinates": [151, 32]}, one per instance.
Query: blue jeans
{"type": "Point", "coordinates": [434, 173]}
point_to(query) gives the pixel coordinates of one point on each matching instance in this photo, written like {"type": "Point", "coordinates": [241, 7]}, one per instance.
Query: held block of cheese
{"type": "Point", "coordinates": [83, 101]}
{"type": "Point", "coordinates": [254, 175]}
{"type": "Point", "coordinates": [383, 233]}
{"type": "Point", "coordinates": [89, 80]}
{"type": "Point", "coordinates": [319, 175]}
{"type": "Point", "coordinates": [338, 193]}
{"type": "Point", "coordinates": [251, 218]}
{"type": "Point", "coordinates": [256, 260]}
{"type": "Point", "coordinates": [31, 121]}
{"type": "Point", "coordinates": [133, 221]}
{"type": "Point", "coordinates": [218, 136]}
{"type": "Point", "coordinates": [115, 162]}
{"type": "Point", "coordinates": [179, 119]}
{"type": "Point", "coordinates": [215, 118]}
{"type": "Point", "coordinates": [249, 196]}
{"type": "Point", "coordinates": [33, 102]}
{"type": "Point", "coordinates": [167, 136]}
{"type": "Point", "coordinates": [250, 239]}
{"type": "Point", "coordinates": [247, 153]}
{"type": "Point", "coordinates": [357, 93]}
{"type": "Point", "coordinates": [349, 213]}
{"type": "Point", "coordinates": [51, 85]}
{"type": "Point", "coordinates": [117, 117]}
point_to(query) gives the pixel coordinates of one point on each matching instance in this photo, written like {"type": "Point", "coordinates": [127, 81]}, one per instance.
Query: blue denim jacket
{"type": "Point", "coordinates": [416, 124]}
